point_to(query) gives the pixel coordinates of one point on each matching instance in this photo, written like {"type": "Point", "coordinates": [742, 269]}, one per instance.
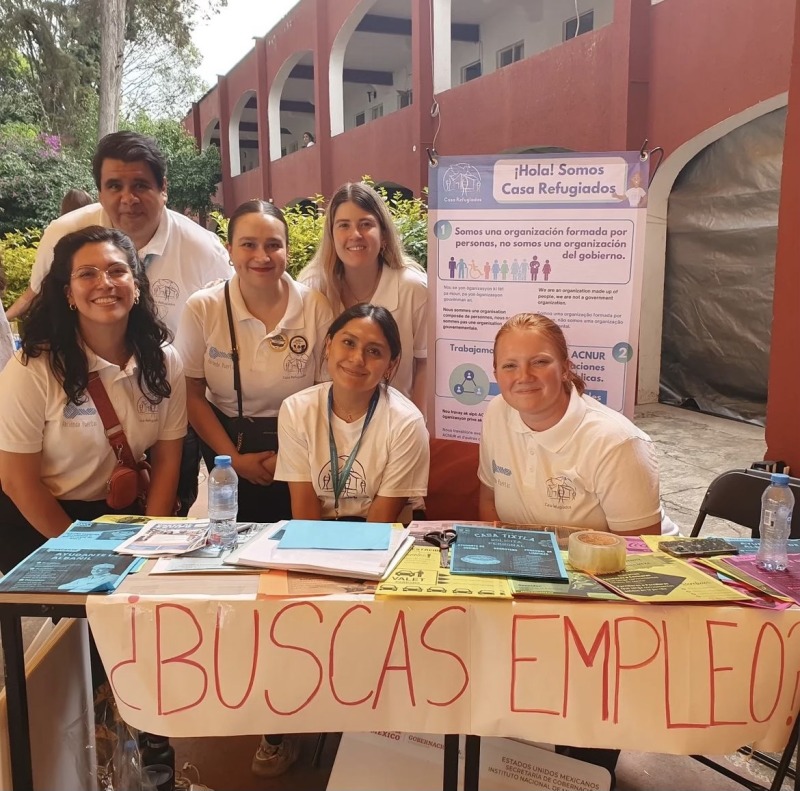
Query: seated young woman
{"type": "Point", "coordinates": [354, 447]}
{"type": "Point", "coordinates": [550, 454]}
{"type": "Point", "coordinates": [94, 314]}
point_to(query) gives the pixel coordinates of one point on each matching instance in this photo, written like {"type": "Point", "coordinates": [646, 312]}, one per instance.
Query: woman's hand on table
{"type": "Point", "coordinates": [258, 468]}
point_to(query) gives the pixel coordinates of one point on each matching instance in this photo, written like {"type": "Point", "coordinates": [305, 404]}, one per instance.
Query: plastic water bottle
{"type": "Point", "coordinates": [777, 504]}
{"type": "Point", "coordinates": [223, 485]}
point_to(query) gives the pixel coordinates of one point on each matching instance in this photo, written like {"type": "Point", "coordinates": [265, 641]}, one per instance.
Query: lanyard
{"type": "Point", "coordinates": [339, 478]}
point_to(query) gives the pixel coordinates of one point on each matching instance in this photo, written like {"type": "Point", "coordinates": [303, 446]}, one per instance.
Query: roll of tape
{"type": "Point", "coordinates": [597, 553]}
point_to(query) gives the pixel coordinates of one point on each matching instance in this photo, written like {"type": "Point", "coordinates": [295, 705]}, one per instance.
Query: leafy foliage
{"type": "Point", "coordinates": [17, 253]}
{"type": "Point", "coordinates": [306, 226]}
{"type": "Point", "coordinates": [192, 174]}
{"type": "Point", "coordinates": [35, 172]}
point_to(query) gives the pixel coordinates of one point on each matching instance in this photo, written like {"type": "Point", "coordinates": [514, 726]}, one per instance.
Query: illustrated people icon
{"type": "Point", "coordinates": [547, 269]}
{"type": "Point", "coordinates": [534, 265]}
{"type": "Point", "coordinates": [636, 194]}
{"type": "Point", "coordinates": [452, 266]}
{"type": "Point", "coordinates": [515, 270]}
{"type": "Point", "coordinates": [462, 268]}
{"type": "Point", "coordinates": [495, 269]}
{"type": "Point", "coordinates": [504, 269]}
{"type": "Point", "coordinates": [474, 271]}
{"type": "Point", "coordinates": [487, 270]}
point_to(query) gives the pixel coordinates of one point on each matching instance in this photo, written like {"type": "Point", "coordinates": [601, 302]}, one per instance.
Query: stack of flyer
{"type": "Point", "coordinates": [364, 550]}
{"type": "Point", "coordinates": [168, 536]}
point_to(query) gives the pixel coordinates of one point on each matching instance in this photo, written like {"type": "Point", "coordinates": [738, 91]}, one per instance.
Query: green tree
{"type": "Point", "coordinates": [192, 174]}
{"type": "Point", "coordinates": [35, 172]}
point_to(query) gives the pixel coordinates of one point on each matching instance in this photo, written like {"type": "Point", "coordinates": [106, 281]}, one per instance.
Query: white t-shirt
{"type": "Point", "coordinates": [76, 457]}
{"type": "Point", "coordinates": [635, 196]}
{"type": "Point", "coordinates": [186, 257]}
{"type": "Point", "coordinates": [6, 339]}
{"type": "Point", "coordinates": [594, 468]}
{"type": "Point", "coordinates": [404, 293]}
{"type": "Point", "coordinates": [393, 459]}
{"type": "Point", "coordinates": [272, 365]}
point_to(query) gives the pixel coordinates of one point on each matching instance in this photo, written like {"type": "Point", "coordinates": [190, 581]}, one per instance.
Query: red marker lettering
{"type": "Point", "coordinates": [301, 650]}
{"type": "Point", "coordinates": [455, 656]}
{"type": "Point", "coordinates": [331, 659]}
{"type": "Point", "coordinates": [217, 683]}
{"type": "Point", "coordinates": [181, 659]}
{"type": "Point", "coordinates": [516, 659]}
{"type": "Point", "coordinates": [399, 627]}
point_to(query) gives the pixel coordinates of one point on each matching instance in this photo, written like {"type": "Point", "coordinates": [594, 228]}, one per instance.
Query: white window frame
{"type": "Point", "coordinates": [376, 112]}
{"type": "Point", "coordinates": [579, 28]}
{"type": "Point", "coordinates": [516, 49]}
{"type": "Point", "coordinates": [464, 77]}
{"type": "Point", "coordinates": [361, 118]}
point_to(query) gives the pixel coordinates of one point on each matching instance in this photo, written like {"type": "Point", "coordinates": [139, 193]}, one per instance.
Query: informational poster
{"type": "Point", "coordinates": [557, 234]}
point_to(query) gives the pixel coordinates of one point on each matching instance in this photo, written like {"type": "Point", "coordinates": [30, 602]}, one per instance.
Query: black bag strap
{"type": "Point", "coordinates": [237, 379]}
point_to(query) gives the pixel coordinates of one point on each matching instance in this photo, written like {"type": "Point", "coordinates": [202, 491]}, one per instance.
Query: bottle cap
{"type": "Point", "coordinates": [222, 461]}
{"type": "Point", "coordinates": [779, 478]}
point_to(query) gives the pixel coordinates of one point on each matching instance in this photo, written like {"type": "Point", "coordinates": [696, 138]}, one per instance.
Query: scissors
{"type": "Point", "coordinates": [442, 539]}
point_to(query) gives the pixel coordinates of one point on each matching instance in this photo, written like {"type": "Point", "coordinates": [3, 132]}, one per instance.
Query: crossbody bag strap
{"type": "Point", "coordinates": [237, 380]}
{"type": "Point", "coordinates": [115, 434]}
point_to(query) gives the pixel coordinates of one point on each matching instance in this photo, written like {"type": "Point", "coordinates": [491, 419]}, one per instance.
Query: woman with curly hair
{"type": "Point", "coordinates": [93, 314]}
{"type": "Point", "coordinates": [361, 260]}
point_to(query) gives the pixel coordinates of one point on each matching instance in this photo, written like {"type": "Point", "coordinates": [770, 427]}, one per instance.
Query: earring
{"type": "Point", "coordinates": [136, 300]}
{"type": "Point", "coordinates": [73, 306]}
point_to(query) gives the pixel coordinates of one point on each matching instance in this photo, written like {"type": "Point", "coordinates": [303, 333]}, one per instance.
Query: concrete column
{"type": "Point", "coordinates": [322, 98]}
{"type": "Point", "coordinates": [783, 415]}
{"type": "Point", "coordinates": [225, 143]}
{"type": "Point", "coordinates": [262, 100]}
{"type": "Point", "coordinates": [422, 86]}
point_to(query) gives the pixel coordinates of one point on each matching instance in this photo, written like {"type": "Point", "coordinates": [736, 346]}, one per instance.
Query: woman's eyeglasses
{"type": "Point", "coordinates": [91, 274]}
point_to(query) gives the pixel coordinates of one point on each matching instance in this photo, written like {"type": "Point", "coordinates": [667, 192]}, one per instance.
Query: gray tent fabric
{"type": "Point", "coordinates": [722, 228]}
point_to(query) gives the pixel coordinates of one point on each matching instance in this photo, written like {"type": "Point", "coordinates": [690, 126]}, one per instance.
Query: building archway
{"type": "Point", "coordinates": [652, 308]}
{"type": "Point", "coordinates": [370, 64]}
{"type": "Point", "coordinates": [243, 134]}
{"type": "Point", "coordinates": [210, 135]}
{"type": "Point", "coordinates": [290, 107]}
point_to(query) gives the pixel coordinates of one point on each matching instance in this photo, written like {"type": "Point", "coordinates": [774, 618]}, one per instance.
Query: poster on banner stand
{"type": "Point", "coordinates": [557, 234]}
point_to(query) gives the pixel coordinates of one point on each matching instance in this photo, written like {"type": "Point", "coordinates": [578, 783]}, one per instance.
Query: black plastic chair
{"type": "Point", "coordinates": [736, 497]}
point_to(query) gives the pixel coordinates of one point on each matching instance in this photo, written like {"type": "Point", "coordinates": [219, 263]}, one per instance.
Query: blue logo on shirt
{"type": "Point", "coordinates": [74, 410]}
{"type": "Point", "coordinates": [502, 470]}
{"type": "Point", "coordinates": [214, 352]}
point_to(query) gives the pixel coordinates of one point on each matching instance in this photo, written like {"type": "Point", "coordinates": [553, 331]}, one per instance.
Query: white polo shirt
{"type": "Point", "coordinates": [393, 459]}
{"type": "Point", "coordinates": [186, 257]}
{"type": "Point", "coordinates": [76, 457]}
{"type": "Point", "coordinates": [594, 468]}
{"type": "Point", "coordinates": [404, 293]}
{"type": "Point", "coordinates": [272, 365]}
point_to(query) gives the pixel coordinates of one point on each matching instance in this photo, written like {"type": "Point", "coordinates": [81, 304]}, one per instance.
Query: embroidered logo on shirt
{"type": "Point", "coordinates": [165, 292]}
{"type": "Point", "coordinates": [214, 352]}
{"type": "Point", "coordinates": [72, 411]}
{"type": "Point", "coordinates": [560, 490]}
{"type": "Point", "coordinates": [294, 366]}
{"type": "Point", "coordinates": [144, 407]}
{"type": "Point", "coordinates": [496, 468]}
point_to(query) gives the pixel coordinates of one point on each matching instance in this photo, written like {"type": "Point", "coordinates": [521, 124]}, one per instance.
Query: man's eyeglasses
{"type": "Point", "coordinates": [91, 274]}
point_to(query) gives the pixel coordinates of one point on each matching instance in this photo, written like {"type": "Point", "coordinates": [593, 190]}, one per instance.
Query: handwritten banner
{"type": "Point", "coordinates": [672, 679]}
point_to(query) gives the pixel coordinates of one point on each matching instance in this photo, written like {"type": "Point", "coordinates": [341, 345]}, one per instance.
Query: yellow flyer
{"type": "Point", "coordinates": [420, 573]}
{"type": "Point", "coordinates": [657, 577]}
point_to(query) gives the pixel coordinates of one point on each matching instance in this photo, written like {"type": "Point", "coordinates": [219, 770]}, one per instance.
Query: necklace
{"type": "Point", "coordinates": [344, 414]}
{"type": "Point", "coordinates": [370, 293]}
